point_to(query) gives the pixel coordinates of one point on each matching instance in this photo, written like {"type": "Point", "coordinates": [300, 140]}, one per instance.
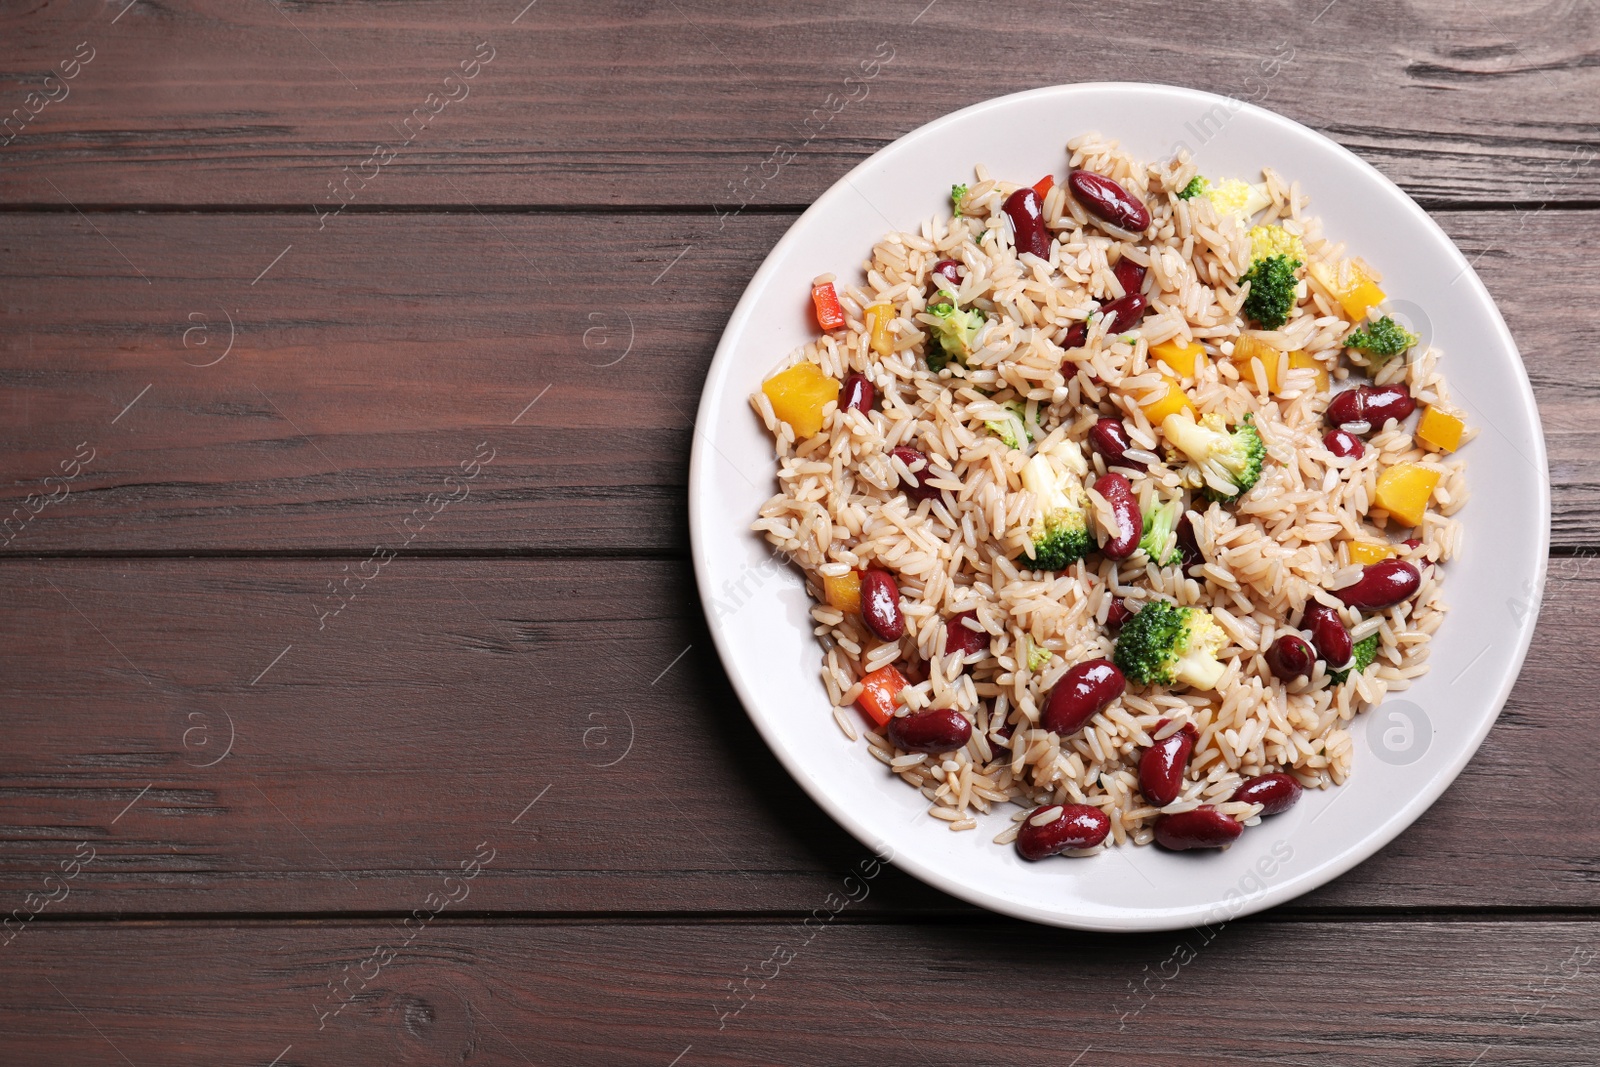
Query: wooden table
{"type": "Point", "coordinates": [359, 706]}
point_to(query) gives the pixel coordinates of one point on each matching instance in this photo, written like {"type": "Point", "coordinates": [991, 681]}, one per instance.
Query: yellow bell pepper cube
{"type": "Point", "coordinates": [798, 396]}
{"type": "Point", "coordinates": [843, 592]}
{"type": "Point", "coordinates": [1365, 552]}
{"type": "Point", "coordinates": [1351, 285]}
{"type": "Point", "coordinates": [878, 318]}
{"type": "Point", "coordinates": [1249, 348]}
{"type": "Point", "coordinates": [1404, 491]}
{"type": "Point", "coordinates": [1179, 356]}
{"type": "Point", "coordinates": [1439, 430]}
{"type": "Point", "coordinates": [1304, 361]}
{"type": "Point", "coordinates": [1172, 401]}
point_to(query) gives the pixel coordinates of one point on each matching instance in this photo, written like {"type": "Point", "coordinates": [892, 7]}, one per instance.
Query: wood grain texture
{"type": "Point", "coordinates": [372, 755]}
{"type": "Point", "coordinates": [620, 102]}
{"type": "Point", "coordinates": [1416, 994]}
{"type": "Point", "coordinates": [377, 354]}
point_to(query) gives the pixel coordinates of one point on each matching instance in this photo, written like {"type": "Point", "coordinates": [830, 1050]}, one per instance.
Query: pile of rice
{"type": "Point", "coordinates": [1267, 554]}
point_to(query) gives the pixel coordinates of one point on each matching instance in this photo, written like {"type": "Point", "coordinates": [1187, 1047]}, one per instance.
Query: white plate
{"type": "Point", "coordinates": [1407, 751]}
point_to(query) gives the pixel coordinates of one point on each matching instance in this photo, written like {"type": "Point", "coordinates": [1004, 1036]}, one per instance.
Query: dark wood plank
{"type": "Point", "coordinates": [624, 103]}
{"type": "Point", "coordinates": [374, 357]}
{"type": "Point", "coordinates": [370, 756]}
{"type": "Point", "coordinates": [1403, 994]}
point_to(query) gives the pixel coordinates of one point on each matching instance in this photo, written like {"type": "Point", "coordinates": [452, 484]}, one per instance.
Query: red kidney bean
{"type": "Point", "coordinates": [1105, 198]}
{"type": "Point", "coordinates": [1084, 690]}
{"type": "Point", "coordinates": [1117, 614]}
{"type": "Point", "coordinates": [1077, 335]}
{"type": "Point", "coordinates": [857, 393]}
{"type": "Point", "coordinates": [958, 638]}
{"type": "Point", "coordinates": [916, 462]}
{"type": "Point", "coordinates": [1027, 222]}
{"type": "Point", "coordinates": [1163, 763]}
{"type": "Point", "coordinates": [949, 270]}
{"type": "Point", "coordinates": [880, 605]}
{"type": "Point", "coordinates": [1130, 275]}
{"type": "Point", "coordinates": [1202, 827]}
{"type": "Point", "coordinates": [1276, 793]}
{"type": "Point", "coordinates": [936, 730]}
{"type": "Point", "coordinates": [1124, 312]}
{"type": "Point", "coordinates": [1188, 545]}
{"type": "Point", "coordinates": [1371, 404]}
{"type": "Point", "coordinates": [1291, 657]}
{"type": "Point", "coordinates": [1412, 542]}
{"type": "Point", "coordinates": [1382, 585]}
{"type": "Point", "coordinates": [1110, 438]}
{"type": "Point", "coordinates": [1343, 443]}
{"type": "Point", "coordinates": [1328, 634]}
{"type": "Point", "coordinates": [1125, 512]}
{"type": "Point", "coordinates": [1078, 826]}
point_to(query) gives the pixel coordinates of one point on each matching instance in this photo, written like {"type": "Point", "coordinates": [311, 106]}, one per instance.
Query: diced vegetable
{"type": "Point", "coordinates": [1174, 401]}
{"type": "Point", "coordinates": [798, 396]}
{"type": "Point", "coordinates": [957, 194]}
{"type": "Point", "coordinates": [1351, 285]}
{"type": "Point", "coordinates": [1275, 241]}
{"type": "Point", "coordinates": [1440, 430]}
{"type": "Point", "coordinates": [879, 316]}
{"type": "Point", "coordinates": [1012, 427]}
{"type": "Point", "coordinates": [1365, 552]}
{"type": "Point", "coordinates": [1044, 185]}
{"type": "Point", "coordinates": [878, 691]}
{"type": "Point", "coordinates": [1248, 348]}
{"type": "Point", "coordinates": [1181, 357]}
{"type": "Point", "coordinates": [1239, 198]}
{"type": "Point", "coordinates": [1404, 491]}
{"type": "Point", "coordinates": [1299, 360]}
{"type": "Point", "coordinates": [843, 592]}
{"type": "Point", "coordinates": [830, 316]}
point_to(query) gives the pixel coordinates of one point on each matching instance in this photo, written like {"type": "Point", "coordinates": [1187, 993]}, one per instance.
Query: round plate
{"type": "Point", "coordinates": [1407, 751]}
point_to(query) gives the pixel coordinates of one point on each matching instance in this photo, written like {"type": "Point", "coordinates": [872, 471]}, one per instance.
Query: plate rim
{"type": "Point", "coordinates": [1147, 921]}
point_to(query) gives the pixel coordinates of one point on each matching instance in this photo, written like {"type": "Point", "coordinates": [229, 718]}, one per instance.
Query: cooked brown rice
{"type": "Point", "coordinates": [1279, 546]}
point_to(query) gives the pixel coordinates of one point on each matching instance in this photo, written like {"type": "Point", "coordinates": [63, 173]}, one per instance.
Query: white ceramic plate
{"type": "Point", "coordinates": [1407, 751]}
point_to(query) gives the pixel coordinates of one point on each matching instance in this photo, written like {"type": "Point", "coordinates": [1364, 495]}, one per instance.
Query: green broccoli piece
{"type": "Point", "coordinates": [1165, 643]}
{"type": "Point", "coordinates": [1381, 340]}
{"type": "Point", "coordinates": [1012, 428]}
{"type": "Point", "coordinates": [1230, 462]}
{"type": "Point", "coordinates": [957, 333]}
{"type": "Point", "coordinates": [1159, 522]}
{"type": "Point", "coordinates": [1196, 187]}
{"type": "Point", "coordinates": [1272, 290]}
{"type": "Point", "coordinates": [1060, 528]}
{"type": "Point", "coordinates": [1038, 656]}
{"type": "Point", "coordinates": [1361, 658]}
{"type": "Point", "coordinates": [956, 193]}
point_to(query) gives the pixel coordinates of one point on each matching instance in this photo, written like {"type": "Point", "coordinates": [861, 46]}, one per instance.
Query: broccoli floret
{"type": "Point", "coordinates": [1060, 528]}
{"type": "Point", "coordinates": [1272, 290]}
{"type": "Point", "coordinates": [1159, 522]}
{"type": "Point", "coordinates": [1275, 241]}
{"type": "Point", "coordinates": [1038, 655]}
{"type": "Point", "coordinates": [1381, 340]}
{"type": "Point", "coordinates": [957, 192]}
{"type": "Point", "coordinates": [1230, 462]}
{"type": "Point", "coordinates": [1012, 427]}
{"type": "Point", "coordinates": [957, 333]}
{"type": "Point", "coordinates": [1361, 658]}
{"type": "Point", "coordinates": [1165, 643]}
{"type": "Point", "coordinates": [1197, 185]}
{"type": "Point", "coordinates": [1239, 198]}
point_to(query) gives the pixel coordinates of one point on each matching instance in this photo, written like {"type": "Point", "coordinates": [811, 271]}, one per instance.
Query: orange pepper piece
{"type": "Point", "coordinates": [878, 691]}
